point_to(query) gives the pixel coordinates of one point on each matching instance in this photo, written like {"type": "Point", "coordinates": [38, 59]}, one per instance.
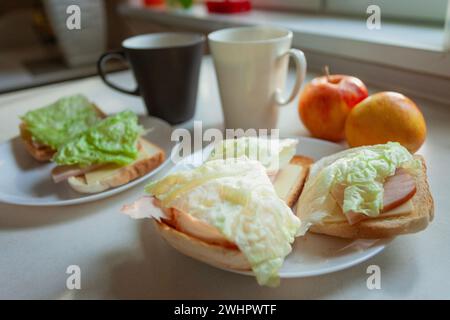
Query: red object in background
{"type": "Point", "coordinates": [228, 6]}
{"type": "Point", "coordinates": [151, 3]}
{"type": "Point", "coordinates": [325, 103]}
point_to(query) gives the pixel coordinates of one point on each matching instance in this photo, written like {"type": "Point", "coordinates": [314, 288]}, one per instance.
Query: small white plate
{"type": "Point", "coordinates": [313, 254]}
{"type": "Point", "coordinates": [25, 181]}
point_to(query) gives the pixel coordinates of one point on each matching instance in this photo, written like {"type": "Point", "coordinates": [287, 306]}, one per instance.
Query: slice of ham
{"type": "Point", "coordinates": [61, 173]}
{"type": "Point", "coordinates": [398, 189]}
{"type": "Point", "coordinates": [355, 217]}
{"type": "Point", "coordinates": [150, 207]}
{"type": "Point", "coordinates": [199, 229]}
{"type": "Point", "coordinates": [146, 207]}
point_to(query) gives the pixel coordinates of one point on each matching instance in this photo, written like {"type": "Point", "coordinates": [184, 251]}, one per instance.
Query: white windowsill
{"type": "Point", "coordinates": [404, 46]}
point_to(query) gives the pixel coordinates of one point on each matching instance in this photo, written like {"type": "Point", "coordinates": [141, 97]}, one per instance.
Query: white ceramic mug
{"type": "Point", "coordinates": [251, 65]}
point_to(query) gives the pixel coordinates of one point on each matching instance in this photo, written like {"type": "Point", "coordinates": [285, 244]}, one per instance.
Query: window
{"type": "Point", "coordinates": [430, 18]}
{"type": "Point", "coordinates": [309, 5]}
{"type": "Point", "coordinates": [433, 11]}
{"type": "Point", "coordinates": [430, 11]}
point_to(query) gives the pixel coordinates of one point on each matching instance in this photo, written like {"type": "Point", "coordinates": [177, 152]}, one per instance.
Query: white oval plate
{"type": "Point", "coordinates": [25, 181]}
{"type": "Point", "coordinates": [314, 254]}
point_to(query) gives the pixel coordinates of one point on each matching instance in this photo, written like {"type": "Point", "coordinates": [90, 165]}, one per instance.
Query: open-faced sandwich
{"type": "Point", "coordinates": [367, 192]}
{"type": "Point", "coordinates": [228, 211]}
{"type": "Point", "coordinates": [108, 154]}
{"type": "Point", "coordinates": [45, 130]}
{"type": "Point", "coordinates": [225, 213]}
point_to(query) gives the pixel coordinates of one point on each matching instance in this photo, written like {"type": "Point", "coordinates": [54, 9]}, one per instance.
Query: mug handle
{"type": "Point", "coordinates": [300, 69]}
{"type": "Point", "coordinates": [100, 68]}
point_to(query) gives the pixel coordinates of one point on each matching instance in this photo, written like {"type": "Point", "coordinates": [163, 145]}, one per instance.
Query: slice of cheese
{"type": "Point", "coordinates": [286, 179]}
{"type": "Point", "coordinates": [146, 151]}
{"type": "Point", "coordinates": [99, 174]}
{"type": "Point", "coordinates": [405, 208]}
{"type": "Point", "coordinates": [338, 216]}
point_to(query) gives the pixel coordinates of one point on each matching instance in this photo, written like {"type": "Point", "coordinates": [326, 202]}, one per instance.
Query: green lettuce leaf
{"type": "Point", "coordinates": [113, 140]}
{"type": "Point", "coordinates": [272, 153]}
{"type": "Point", "coordinates": [237, 197]}
{"type": "Point", "coordinates": [61, 121]}
{"type": "Point", "coordinates": [362, 171]}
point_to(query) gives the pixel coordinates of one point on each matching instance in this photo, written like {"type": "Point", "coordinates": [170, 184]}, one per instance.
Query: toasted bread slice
{"type": "Point", "coordinates": [215, 255]}
{"type": "Point", "coordinates": [98, 180]}
{"type": "Point", "coordinates": [289, 181]}
{"type": "Point", "coordinates": [414, 220]}
{"type": "Point", "coordinates": [39, 151]}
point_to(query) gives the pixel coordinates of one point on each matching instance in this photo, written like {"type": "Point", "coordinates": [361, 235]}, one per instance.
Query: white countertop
{"type": "Point", "coordinates": [123, 258]}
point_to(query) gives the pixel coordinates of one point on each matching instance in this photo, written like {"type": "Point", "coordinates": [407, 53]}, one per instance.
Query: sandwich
{"type": "Point", "coordinates": [233, 211]}
{"type": "Point", "coordinates": [367, 192]}
{"type": "Point", "coordinates": [108, 154]}
{"type": "Point", "coordinates": [43, 131]}
{"type": "Point", "coordinates": [225, 213]}
{"type": "Point", "coordinates": [285, 169]}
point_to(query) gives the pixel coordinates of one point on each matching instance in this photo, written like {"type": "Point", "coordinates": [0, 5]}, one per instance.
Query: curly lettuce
{"type": "Point", "coordinates": [362, 172]}
{"type": "Point", "coordinates": [61, 121]}
{"type": "Point", "coordinates": [237, 197]}
{"type": "Point", "coordinates": [113, 140]}
{"type": "Point", "coordinates": [272, 153]}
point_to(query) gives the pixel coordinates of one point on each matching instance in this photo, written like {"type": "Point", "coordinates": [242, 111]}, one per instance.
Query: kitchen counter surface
{"type": "Point", "coordinates": [123, 258]}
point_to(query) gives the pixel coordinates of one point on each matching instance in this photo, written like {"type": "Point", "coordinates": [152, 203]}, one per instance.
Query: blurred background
{"type": "Point", "coordinates": [407, 49]}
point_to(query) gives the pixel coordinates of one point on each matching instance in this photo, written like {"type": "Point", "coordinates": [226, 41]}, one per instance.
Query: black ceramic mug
{"type": "Point", "coordinates": [166, 67]}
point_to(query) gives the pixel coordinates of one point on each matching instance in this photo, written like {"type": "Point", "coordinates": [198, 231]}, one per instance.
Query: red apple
{"type": "Point", "coordinates": [325, 103]}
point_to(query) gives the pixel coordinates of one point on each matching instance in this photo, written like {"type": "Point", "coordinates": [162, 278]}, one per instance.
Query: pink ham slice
{"type": "Point", "coordinates": [61, 173]}
{"type": "Point", "coordinates": [146, 207]}
{"type": "Point", "coordinates": [398, 189]}
{"type": "Point", "coordinates": [355, 217]}
{"type": "Point", "coordinates": [150, 207]}
{"type": "Point", "coordinates": [199, 229]}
